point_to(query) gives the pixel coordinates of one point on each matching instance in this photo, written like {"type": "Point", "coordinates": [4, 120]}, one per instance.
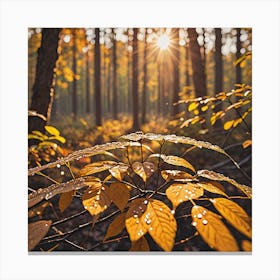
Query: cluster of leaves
{"type": "Point", "coordinates": [147, 192]}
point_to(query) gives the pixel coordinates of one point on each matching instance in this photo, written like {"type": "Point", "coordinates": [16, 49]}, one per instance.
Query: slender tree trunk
{"type": "Point", "coordinates": [74, 66]}
{"type": "Point", "coordinates": [97, 79]}
{"type": "Point", "coordinates": [187, 57]}
{"type": "Point", "coordinates": [159, 89]}
{"type": "Point", "coordinates": [43, 89]}
{"type": "Point", "coordinates": [87, 83]}
{"type": "Point", "coordinates": [218, 61]}
{"type": "Point", "coordinates": [135, 80]}
{"type": "Point", "coordinates": [197, 64]}
{"type": "Point", "coordinates": [204, 58]}
{"type": "Point", "coordinates": [176, 79]}
{"type": "Point", "coordinates": [144, 94]}
{"type": "Point", "coordinates": [115, 95]}
{"type": "Point", "coordinates": [238, 54]}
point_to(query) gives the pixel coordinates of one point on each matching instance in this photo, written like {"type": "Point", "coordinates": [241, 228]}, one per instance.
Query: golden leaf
{"type": "Point", "coordinates": [116, 227]}
{"type": "Point", "coordinates": [140, 245]}
{"type": "Point", "coordinates": [135, 228]}
{"type": "Point", "coordinates": [52, 130]}
{"type": "Point", "coordinates": [37, 231]}
{"type": "Point", "coordinates": [246, 144]}
{"type": "Point", "coordinates": [96, 199]}
{"type": "Point", "coordinates": [177, 175]}
{"type": "Point", "coordinates": [119, 171]}
{"type": "Point", "coordinates": [178, 193]}
{"type": "Point", "coordinates": [97, 167]}
{"type": "Point", "coordinates": [246, 245]}
{"type": "Point", "coordinates": [144, 170]}
{"type": "Point", "coordinates": [65, 200]}
{"type": "Point", "coordinates": [119, 194]}
{"type": "Point", "coordinates": [204, 108]}
{"type": "Point", "coordinates": [160, 223]}
{"type": "Point", "coordinates": [38, 210]}
{"type": "Point", "coordinates": [193, 106]}
{"type": "Point", "coordinates": [234, 214]}
{"type": "Point", "coordinates": [212, 230]}
{"type": "Point", "coordinates": [228, 125]}
{"type": "Point", "coordinates": [210, 187]}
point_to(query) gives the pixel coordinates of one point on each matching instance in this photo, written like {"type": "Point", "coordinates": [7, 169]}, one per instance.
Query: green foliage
{"type": "Point", "coordinates": [152, 195]}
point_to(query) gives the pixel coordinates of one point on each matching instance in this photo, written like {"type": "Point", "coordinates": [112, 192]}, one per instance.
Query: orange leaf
{"type": "Point", "coordinates": [119, 194]}
{"type": "Point", "coordinates": [65, 200]}
{"type": "Point", "coordinates": [119, 171]}
{"type": "Point", "coordinates": [246, 246]}
{"type": "Point", "coordinates": [140, 245]}
{"type": "Point", "coordinates": [116, 227]}
{"type": "Point", "coordinates": [144, 170]}
{"type": "Point", "coordinates": [176, 175]}
{"type": "Point", "coordinates": [97, 167]}
{"type": "Point", "coordinates": [210, 187]}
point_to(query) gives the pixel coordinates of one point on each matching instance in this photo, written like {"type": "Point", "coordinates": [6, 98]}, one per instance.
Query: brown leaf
{"type": "Point", "coordinates": [119, 194]}
{"type": "Point", "coordinates": [96, 167]}
{"type": "Point", "coordinates": [213, 230]}
{"type": "Point", "coordinates": [119, 171]}
{"type": "Point", "coordinates": [38, 210]}
{"type": "Point", "coordinates": [37, 231]}
{"type": "Point", "coordinates": [210, 187]}
{"type": "Point", "coordinates": [144, 170]}
{"type": "Point", "coordinates": [140, 245]}
{"type": "Point", "coordinates": [116, 227]}
{"type": "Point", "coordinates": [65, 200]}
{"type": "Point", "coordinates": [176, 175]}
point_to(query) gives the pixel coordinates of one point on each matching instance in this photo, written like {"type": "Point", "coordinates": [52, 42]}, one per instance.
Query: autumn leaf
{"type": "Point", "coordinates": [192, 106]}
{"type": "Point", "coordinates": [38, 210]}
{"type": "Point", "coordinates": [65, 200]}
{"type": "Point", "coordinates": [210, 187]}
{"type": "Point", "coordinates": [97, 167]}
{"type": "Point", "coordinates": [246, 144]}
{"type": "Point", "coordinates": [144, 170]}
{"type": "Point", "coordinates": [119, 194]}
{"type": "Point", "coordinates": [228, 125]}
{"type": "Point", "coordinates": [119, 171]}
{"type": "Point", "coordinates": [52, 130]}
{"type": "Point", "coordinates": [178, 193]}
{"type": "Point", "coordinates": [37, 231]}
{"type": "Point", "coordinates": [212, 230]}
{"type": "Point", "coordinates": [96, 199]}
{"type": "Point", "coordinates": [234, 214]}
{"type": "Point", "coordinates": [246, 245]}
{"type": "Point", "coordinates": [116, 227]}
{"type": "Point", "coordinates": [177, 175]}
{"type": "Point", "coordinates": [140, 245]}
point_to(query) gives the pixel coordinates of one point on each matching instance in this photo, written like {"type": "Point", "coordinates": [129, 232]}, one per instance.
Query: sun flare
{"type": "Point", "coordinates": [163, 42]}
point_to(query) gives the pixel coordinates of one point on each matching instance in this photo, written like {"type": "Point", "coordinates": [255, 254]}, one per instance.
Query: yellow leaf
{"type": "Point", "coordinates": [246, 144]}
{"type": "Point", "coordinates": [178, 193]}
{"type": "Point", "coordinates": [119, 171]}
{"type": "Point", "coordinates": [212, 230]}
{"type": "Point", "coordinates": [177, 175]}
{"type": "Point", "coordinates": [144, 170]}
{"type": "Point", "coordinates": [234, 214]}
{"type": "Point", "coordinates": [204, 108]}
{"type": "Point", "coordinates": [133, 222]}
{"type": "Point", "coordinates": [65, 200]}
{"type": "Point", "coordinates": [196, 112]}
{"type": "Point", "coordinates": [119, 194]}
{"type": "Point", "coordinates": [116, 227]}
{"type": "Point", "coordinates": [160, 223]}
{"type": "Point", "coordinates": [246, 246]}
{"type": "Point", "coordinates": [210, 187]}
{"type": "Point", "coordinates": [52, 130]}
{"type": "Point", "coordinates": [140, 245]}
{"type": "Point", "coordinates": [97, 167]}
{"type": "Point", "coordinates": [193, 106]}
{"type": "Point", "coordinates": [228, 125]}
{"type": "Point", "coordinates": [237, 122]}
{"type": "Point", "coordinates": [96, 199]}
{"type": "Point", "coordinates": [37, 231]}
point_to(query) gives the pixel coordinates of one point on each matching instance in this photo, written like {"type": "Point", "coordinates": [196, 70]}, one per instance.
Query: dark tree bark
{"type": "Point", "coordinates": [187, 57]}
{"type": "Point", "coordinates": [159, 88]}
{"type": "Point", "coordinates": [87, 83]}
{"type": "Point", "coordinates": [197, 64]}
{"type": "Point", "coordinates": [219, 73]}
{"type": "Point", "coordinates": [135, 80]}
{"type": "Point", "coordinates": [43, 89]}
{"type": "Point", "coordinates": [176, 80]}
{"type": "Point", "coordinates": [115, 94]}
{"type": "Point", "coordinates": [238, 54]}
{"type": "Point", "coordinates": [74, 66]}
{"type": "Point", "coordinates": [97, 79]}
{"type": "Point", "coordinates": [144, 93]}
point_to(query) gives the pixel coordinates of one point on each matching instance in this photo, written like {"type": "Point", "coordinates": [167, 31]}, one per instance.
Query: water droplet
{"type": "Point", "coordinates": [194, 224]}
{"type": "Point", "coordinates": [46, 225]}
{"type": "Point", "coordinates": [137, 221]}
{"type": "Point", "coordinates": [205, 222]}
{"type": "Point", "coordinates": [62, 173]}
{"type": "Point", "coordinates": [85, 207]}
{"type": "Point", "coordinates": [151, 228]}
{"type": "Point", "coordinates": [199, 216]}
{"type": "Point", "coordinates": [102, 188]}
{"type": "Point", "coordinates": [160, 209]}
{"type": "Point", "coordinates": [204, 212]}
{"type": "Point", "coordinates": [95, 205]}
{"type": "Point", "coordinates": [180, 200]}
{"type": "Point", "coordinates": [148, 222]}
{"type": "Point", "coordinates": [58, 165]}
{"type": "Point", "coordinates": [135, 216]}
{"type": "Point", "coordinates": [145, 202]}
{"type": "Point", "coordinates": [97, 198]}
{"type": "Point", "coordinates": [180, 187]}
{"type": "Point", "coordinates": [172, 212]}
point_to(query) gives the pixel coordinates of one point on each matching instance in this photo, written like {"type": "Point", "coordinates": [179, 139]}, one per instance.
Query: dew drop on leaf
{"type": "Point", "coordinates": [194, 224]}
{"type": "Point", "coordinates": [145, 202]}
{"type": "Point", "coordinates": [172, 212]}
{"type": "Point", "coordinates": [199, 215]}
{"type": "Point", "coordinates": [205, 222]}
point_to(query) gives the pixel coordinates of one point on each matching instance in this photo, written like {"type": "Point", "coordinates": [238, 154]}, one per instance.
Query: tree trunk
{"type": "Point", "coordinates": [188, 80]}
{"type": "Point", "coordinates": [97, 79]}
{"type": "Point", "coordinates": [176, 79]}
{"type": "Point", "coordinates": [218, 61]}
{"type": "Point", "coordinates": [238, 54]}
{"type": "Point", "coordinates": [144, 94]}
{"type": "Point", "coordinates": [87, 83]}
{"type": "Point", "coordinates": [115, 95]}
{"type": "Point", "coordinates": [135, 80]}
{"type": "Point", "coordinates": [74, 66]}
{"type": "Point", "coordinates": [197, 64]}
{"type": "Point", "coordinates": [43, 89]}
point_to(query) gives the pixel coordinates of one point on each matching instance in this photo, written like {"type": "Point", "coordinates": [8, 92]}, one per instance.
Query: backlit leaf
{"type": "Point", "coordinates": [246, 245]}
{"type": "Point", "coordinates": [178, 193]}
{"type": "Point", "coordinates": [119, 194]}
{"type": "Point", "coordinates": [96, 199]}
{"type": "Point", "coordinates": [228, 125]}
{"type": "Point", "coordinates": [192, 106]}
{"type": "Point", "coordinates": [37, 231]}
{"type": "Point", "coordinates": [210, 187]}
{"type": "Point", "coordinates": [144, 170]}
{"type": "Point", "coordinates": [119, 171]}
{"type": "Point", "coordinates": [177, 175]}
{"type": "Point", "coordinates": [234, 214]}
{"type": "Point", "coordinates": [204, 108]}
{"type": "Point", "coordinates": [212, 230]}
{"type": "Point", "coordinates": [65, 200]}
{"type": "Point", "coordinates": [141, 245]}
{"type": "Point", "coordinates": [38, 210]}
{"type": "Point", "coordinates": [116, 227]}
{"type": "Point", "coordinates": [52, 130]}
{"type": "Point", "coordinates": [97, 167]}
